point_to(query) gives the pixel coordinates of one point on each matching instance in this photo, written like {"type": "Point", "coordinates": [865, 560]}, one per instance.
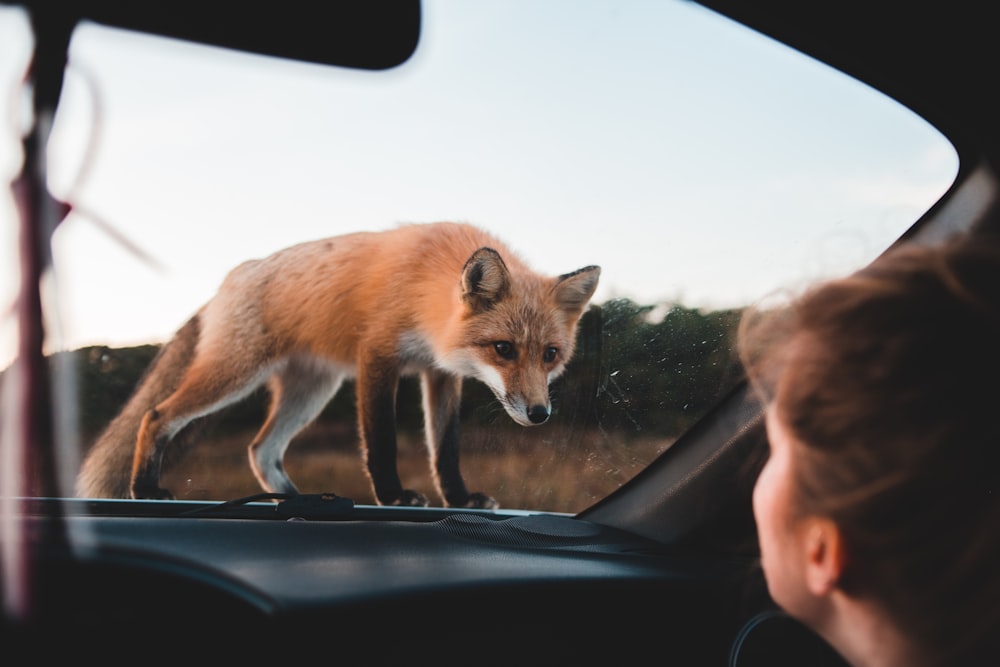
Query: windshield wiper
{"type": "Point", "coordinates": [289, 506]}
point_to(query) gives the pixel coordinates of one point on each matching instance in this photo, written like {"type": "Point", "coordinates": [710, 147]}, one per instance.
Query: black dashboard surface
{"type": "Point", "coordinates": [553, 587]}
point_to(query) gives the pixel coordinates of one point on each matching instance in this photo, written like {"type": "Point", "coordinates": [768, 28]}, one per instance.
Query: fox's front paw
{"type": "Point", "coordinates": [411, 498]}
{"type": "Point", "coordinates": [150, 492]}
{"type": "Point", "coordinates": [481, 501]}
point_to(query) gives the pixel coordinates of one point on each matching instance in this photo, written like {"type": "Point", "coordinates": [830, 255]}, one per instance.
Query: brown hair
{"type": "Point", "coordinates": [887, 380]}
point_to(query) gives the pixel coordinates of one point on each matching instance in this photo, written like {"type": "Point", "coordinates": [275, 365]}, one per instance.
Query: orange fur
{"type": "Point", "coordinates": [445, 300]}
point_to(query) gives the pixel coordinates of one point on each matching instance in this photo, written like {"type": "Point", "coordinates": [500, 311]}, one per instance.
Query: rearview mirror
{"type": "Point", "coordinates": [367, 34]}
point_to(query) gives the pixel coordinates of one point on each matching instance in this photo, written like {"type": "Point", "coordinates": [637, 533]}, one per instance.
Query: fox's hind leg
{"type": "Point", "coordinates": [442, 396]}
{"type": "Point", "coordinates": [205, 388]}
{"type": "Point", "coordinates": [299, 391]}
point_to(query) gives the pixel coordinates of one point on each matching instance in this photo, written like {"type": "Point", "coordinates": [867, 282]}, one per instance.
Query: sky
{"type": "Point", "coordinates": [694, 160]}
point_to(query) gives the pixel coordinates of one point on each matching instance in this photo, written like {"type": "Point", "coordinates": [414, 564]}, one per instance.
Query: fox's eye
{"type": "Point", "coordinates": [504, 348]}
{"type": "Point", "coordinates": [550, 354]}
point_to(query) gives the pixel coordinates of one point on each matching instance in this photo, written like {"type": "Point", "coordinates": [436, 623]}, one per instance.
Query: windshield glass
{"type": "Point", "coordinates": [700, 165]}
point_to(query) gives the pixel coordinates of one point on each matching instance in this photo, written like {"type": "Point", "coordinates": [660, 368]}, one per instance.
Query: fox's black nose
{"type": "Point", "coordinates": [537, 414]}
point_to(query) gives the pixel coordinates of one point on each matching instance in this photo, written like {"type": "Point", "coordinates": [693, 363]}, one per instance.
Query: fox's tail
{"type": "Point", "coordinates": [107, 470]}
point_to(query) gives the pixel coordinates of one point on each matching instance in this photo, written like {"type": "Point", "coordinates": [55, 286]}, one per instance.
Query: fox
{"type": "Point", "coordinates": [443, 301]}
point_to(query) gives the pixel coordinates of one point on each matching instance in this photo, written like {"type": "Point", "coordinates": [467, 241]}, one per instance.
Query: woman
{"type": "Point", "coordinates": [878, 510]}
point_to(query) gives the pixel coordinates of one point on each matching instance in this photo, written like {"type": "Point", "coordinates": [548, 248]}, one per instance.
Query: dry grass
{"type": "Point", "coordinates": [548, 468]}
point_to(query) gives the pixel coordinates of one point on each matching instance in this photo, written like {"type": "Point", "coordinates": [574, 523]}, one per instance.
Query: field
{"type": "Point", "coordinates": [554, 469]}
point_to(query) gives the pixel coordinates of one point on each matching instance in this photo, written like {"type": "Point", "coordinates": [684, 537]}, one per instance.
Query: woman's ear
{"type": "Point", "coordinates": [825, 556]}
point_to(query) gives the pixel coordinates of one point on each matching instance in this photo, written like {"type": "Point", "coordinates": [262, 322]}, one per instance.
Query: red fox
{"type": "Point", "coordinates": [442, 300]}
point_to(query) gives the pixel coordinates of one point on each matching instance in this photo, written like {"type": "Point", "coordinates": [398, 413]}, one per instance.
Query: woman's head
{"type": "Point", "coordinates": [882, 387]}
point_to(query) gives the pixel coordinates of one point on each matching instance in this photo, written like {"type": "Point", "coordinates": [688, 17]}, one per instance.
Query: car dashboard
{"type": "Point", "coordinates": [531, 587]}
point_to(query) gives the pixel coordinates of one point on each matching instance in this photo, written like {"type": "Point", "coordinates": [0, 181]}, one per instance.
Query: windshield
{"type": "Point", "coordinates": [700, 165]}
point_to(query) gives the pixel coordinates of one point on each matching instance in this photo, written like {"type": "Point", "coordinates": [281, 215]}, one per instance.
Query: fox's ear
{"type": "Point", "coordinates": [573, 290]}
{"type": "Point", "coordinates": [485, 279]}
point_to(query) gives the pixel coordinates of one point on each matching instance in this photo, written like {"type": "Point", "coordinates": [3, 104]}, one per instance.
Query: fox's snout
{"type": "Point", "coordinates": [525, 414]}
